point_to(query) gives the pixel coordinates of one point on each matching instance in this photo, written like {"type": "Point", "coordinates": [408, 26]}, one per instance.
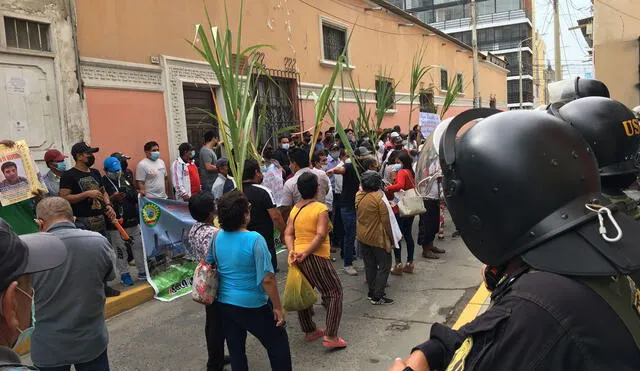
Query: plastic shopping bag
{"type": "Point", "coordinates": [298, 293]}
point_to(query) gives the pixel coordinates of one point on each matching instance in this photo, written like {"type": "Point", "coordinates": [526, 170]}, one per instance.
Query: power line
{"type": "Point", "coordinates": [618, 10]}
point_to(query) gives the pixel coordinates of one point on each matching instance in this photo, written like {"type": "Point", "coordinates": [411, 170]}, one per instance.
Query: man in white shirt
{"type": "Point", "coordinates": [180, 177]}
{"type": "Point", "coordinates": [151, 173]}
{"type": "Point", "coordinates": [299, 165]}
{"type": "Point", "coordinates": [223, 182]}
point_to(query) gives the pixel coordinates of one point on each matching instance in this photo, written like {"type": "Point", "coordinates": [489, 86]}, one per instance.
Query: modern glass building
{"type": "Point", "coordinates": [504, 26]}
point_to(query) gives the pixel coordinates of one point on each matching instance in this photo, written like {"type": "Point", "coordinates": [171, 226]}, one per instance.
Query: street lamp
{"type": "Point", "coordinates": [520, 65]}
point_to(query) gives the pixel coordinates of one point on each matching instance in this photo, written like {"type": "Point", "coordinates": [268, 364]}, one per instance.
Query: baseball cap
{"type": "Point", "coordinates": [222, 162]}
{"type": "Point", "coordinates": [112, 164]}
{"type": "Point", "coordinates": [397, 139]}
{"type": "Point", "coordinates": [54, 155]}
{"type": "Point", "coordinates": [120, 156]}
{"type": "Point", "coordinates": [82, 147]}
{"type": "Point", "coordinates": [30, 253]}
{"type": "Point", "coordinates": [395, 135]}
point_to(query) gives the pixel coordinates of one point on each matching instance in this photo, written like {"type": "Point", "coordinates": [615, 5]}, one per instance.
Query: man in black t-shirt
{"type": "Point", "coordinates": [82, 186]}
{"type": "Point", "coordinates": [350, 186]}
{"type": "Point", "coordinates": [264, 213]}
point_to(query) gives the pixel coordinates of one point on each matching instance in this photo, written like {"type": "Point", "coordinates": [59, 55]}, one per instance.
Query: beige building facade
{"type": "Point", "coordinates": [616, 51]}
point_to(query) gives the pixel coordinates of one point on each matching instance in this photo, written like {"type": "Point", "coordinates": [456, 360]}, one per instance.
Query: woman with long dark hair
{"type": "Point", "coordinates": [405, 180]}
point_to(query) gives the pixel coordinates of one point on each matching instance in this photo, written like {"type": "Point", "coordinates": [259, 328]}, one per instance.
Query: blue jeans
{"type": "Point", "coordinates": [349, 225]}
{"type": "Point", "coordinates": [405, 224]}
{"type": "Point", "coordinates": [99, 364]}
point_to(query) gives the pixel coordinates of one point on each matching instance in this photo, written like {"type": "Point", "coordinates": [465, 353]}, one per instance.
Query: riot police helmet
{"type": "Point", "coordinates": [611, 129]}
{"type": "Point", "coordinates": [516, 184]}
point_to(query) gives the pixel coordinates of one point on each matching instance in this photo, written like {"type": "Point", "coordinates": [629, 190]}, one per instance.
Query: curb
{"type": "Point", "coordinates": [473, 307]}
{"type": "Point", "coordinates": [126, 300]}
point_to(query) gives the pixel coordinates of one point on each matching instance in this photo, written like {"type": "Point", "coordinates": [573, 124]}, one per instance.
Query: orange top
{"type": "Point", "coordinates": [305, 227]}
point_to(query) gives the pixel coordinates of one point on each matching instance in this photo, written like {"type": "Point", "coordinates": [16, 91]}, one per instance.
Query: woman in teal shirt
{"type": "Point", "coordinates": [248, 297]}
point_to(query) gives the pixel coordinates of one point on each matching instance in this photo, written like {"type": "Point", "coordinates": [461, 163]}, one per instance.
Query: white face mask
{"type": "Point", "coordinates": [285, 146]}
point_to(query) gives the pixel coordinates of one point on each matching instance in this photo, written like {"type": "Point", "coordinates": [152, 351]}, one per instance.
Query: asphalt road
{"type": "Point", "coordinates": [170, 336]}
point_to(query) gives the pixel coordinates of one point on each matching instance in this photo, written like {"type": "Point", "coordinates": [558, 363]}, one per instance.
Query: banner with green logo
{"type": "Point", "coordinates": [170, 264]}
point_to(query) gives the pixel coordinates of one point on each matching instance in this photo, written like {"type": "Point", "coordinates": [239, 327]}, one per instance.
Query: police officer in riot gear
{"type": "Point", "coordinates": [613, 132]}
{"type": "Point", "coordinates": [523, 188]}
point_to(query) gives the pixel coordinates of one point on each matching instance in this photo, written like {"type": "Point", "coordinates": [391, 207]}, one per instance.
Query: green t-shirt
{"type": "Point", "coordinates": [20, 216]}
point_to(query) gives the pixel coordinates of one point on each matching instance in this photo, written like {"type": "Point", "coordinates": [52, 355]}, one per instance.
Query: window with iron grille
{"type": "Point", "coordinates": [24, 34]}
{"type": "Point", "coordinates": [385, 92]}
{"type": "Point", "coordinates": [334, 40]}
{"type": "Point", "coordinates": [444, 79]}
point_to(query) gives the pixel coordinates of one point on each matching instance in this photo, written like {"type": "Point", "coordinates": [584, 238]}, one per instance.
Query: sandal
{"type": "Point", "coordinates": [317, 334]}
{"type": "Point", "coordinates": [338, 344]}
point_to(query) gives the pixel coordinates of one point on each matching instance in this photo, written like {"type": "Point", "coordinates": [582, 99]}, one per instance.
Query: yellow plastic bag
{"type": "Point", "coordinates": [298, 293]}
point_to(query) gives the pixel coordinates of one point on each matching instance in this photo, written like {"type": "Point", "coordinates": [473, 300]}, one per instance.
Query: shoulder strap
{"type": "Point", "coordinates": [298, 213]}
{"type": "Point", "coordinates": [212, 243]}
{"type": "Point", "coordinates": [623, 297]}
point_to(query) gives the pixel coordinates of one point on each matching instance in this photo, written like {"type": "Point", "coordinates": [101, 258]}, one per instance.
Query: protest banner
{"type": "Point", "coordinates": [19, 175]}
{"type": "Point", "coordinates": [428, 123]}
{"type": "Point", "coordinates": [272, 179]}
{"type": "Point", "coordinates": [164, 227]}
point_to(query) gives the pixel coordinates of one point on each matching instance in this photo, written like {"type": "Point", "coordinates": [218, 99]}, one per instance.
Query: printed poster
{"type": "Point", "coordinates": [164, 227]}
{"type": "Point", "coordinates": [16, 85]}
{"type": "Point", "coordinates": [428, 123]}
{"type": "Point", "coordinates": [272, 179]}
{"type": "Point", "coordinates": [19, 175]}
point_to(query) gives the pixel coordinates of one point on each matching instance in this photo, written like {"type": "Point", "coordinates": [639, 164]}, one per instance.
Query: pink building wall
{"type": "Point", "coordinates": [124, 120]}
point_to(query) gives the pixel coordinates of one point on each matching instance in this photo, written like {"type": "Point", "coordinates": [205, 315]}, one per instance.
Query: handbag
{"type": "Point", "coordinates": [204, 288]}
{"type": "Point", "coordinates": [410, 203]}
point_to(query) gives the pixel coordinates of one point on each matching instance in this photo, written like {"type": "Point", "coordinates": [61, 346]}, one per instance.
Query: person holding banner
{"type": "Point", "coordinates": [248, 299]}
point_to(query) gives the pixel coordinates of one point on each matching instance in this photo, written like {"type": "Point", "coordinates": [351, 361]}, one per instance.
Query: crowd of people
{"type": "Point", "coordinates": [329, 202]}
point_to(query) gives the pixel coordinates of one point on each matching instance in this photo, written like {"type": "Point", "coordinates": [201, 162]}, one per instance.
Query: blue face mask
{"type": "Point", "coordinates": [61, 166]}
{"type": "Point", "coordinates": [263, 169]}
{"type": "Point", "coordinates": [154, 155]}
{"type": "Point", "coordinates": [396, 167]}
{"type": "Point", "coordinates": [25, 335]}
{"type": "Point", "coordinates": [192, 154]}
{"type": "Point", "coordinates": [285, 146]}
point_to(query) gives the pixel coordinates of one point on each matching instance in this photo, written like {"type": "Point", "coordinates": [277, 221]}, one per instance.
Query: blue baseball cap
{"type": "Point", "coordinates": [112, 164]}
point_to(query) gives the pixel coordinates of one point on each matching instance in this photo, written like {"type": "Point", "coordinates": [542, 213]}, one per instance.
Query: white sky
{"type": "Point", "coordinates": [575, 60]}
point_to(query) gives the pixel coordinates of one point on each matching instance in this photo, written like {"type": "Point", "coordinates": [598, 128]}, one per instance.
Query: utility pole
{"type": "Point", "coordinates": [556, 40]}
{"type": "Point", "coordinates": [520, 72]}
{"type": "Point", "coordinates": [474, 46]}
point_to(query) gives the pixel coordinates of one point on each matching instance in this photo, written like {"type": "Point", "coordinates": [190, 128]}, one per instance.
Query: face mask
{"type": "Point", "coordinates": [334, 155]}
{"type": "Point", "coordinates": [91, 159]}
{"type": "Point", "coordinates": [154, 155]}
{"type": "Point", "coordinates": [285, 146]}
{"type": "Point", "coordinates": [115, 174]}
{"type": "Point", "coordinates": [396, 167]}
{"type": "Point", "coordinates": [263, 169]}
{"type": "Point", "coordinates": [192, 154]}
{"type": "Point", "coordinates": [324, 167]}
{"type": "Point", "coordinates": [61, 166]}
{"type": "Point", "coordinates": [25, 335]}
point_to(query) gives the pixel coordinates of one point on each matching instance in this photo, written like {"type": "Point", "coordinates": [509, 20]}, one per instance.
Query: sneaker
{"type": "Point", "coordinates": [382, 301]}
{"type": "Point", "coordinates": [126, 279]}
{"type": "Point", "coordinates": [350, 270]}
{"type": "Point", "coordinates": [110, 291]}
{"type": "Point", "coordinates": [397, 269]}
{"type": "Point", "coordinates": [142, 276]}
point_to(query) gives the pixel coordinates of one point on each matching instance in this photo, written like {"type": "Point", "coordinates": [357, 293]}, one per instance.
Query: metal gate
{"type": "Point", "coordinates": [278, 97]}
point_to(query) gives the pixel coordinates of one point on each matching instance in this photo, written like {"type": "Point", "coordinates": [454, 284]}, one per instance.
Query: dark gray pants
{"type": "Point", "coordinates": [377, 264]}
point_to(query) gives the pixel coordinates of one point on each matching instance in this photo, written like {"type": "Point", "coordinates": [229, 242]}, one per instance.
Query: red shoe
{"type": "Point", "coordinates": [338, 344]}
{"type": "Point", "coordinates": [317, 334]}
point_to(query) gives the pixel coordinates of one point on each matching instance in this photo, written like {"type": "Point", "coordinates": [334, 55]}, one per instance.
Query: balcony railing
{"type": "Point", "coordinates": [487, 18]}
{"type": "Point", "coordinates": [502, 45]}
